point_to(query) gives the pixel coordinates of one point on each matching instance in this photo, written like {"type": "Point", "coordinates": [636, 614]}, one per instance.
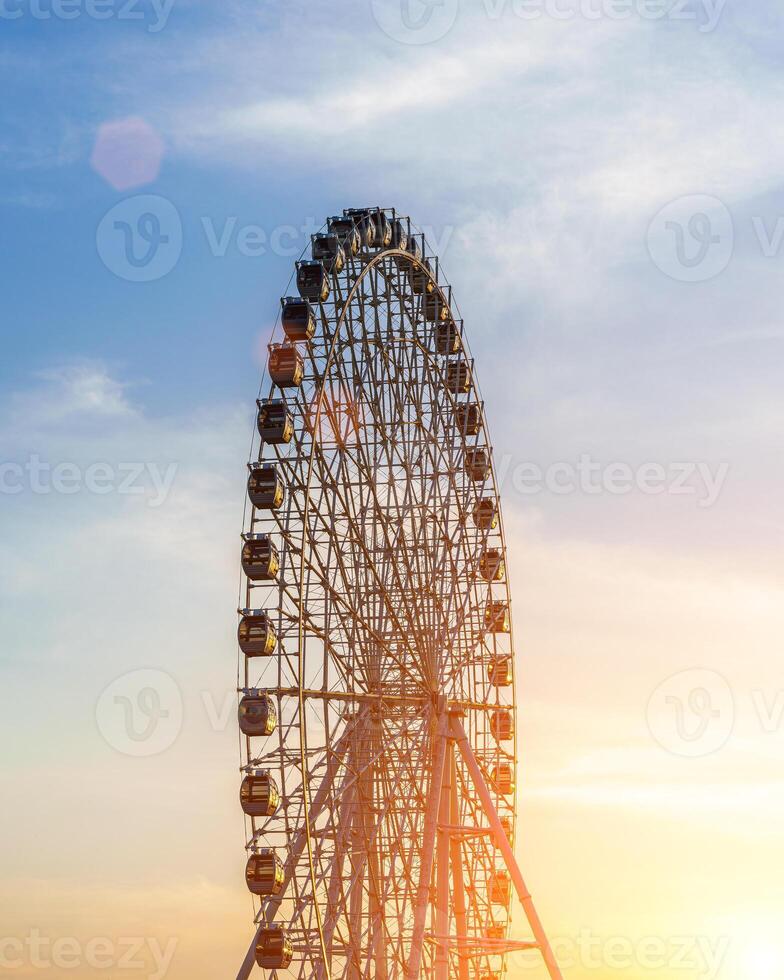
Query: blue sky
{"type": "Point", "coordinates": [554, 159]}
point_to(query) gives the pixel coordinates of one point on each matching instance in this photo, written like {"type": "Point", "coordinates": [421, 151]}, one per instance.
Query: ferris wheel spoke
{"type": "Point", "coordinates": [326, 574]}
{"type": "Point", "coordinates": [377, 582]}
{"type": "Point", "coordinates": [366, 468]}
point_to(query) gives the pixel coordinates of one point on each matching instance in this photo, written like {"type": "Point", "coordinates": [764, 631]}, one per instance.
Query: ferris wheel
{"type": "Point", "coordinates": [376, 667]}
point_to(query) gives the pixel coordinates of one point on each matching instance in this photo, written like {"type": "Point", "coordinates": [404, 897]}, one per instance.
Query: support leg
{"type": "Point", "coordinates": [506, 848]}
{"type": "Point", "coordinates": [358, 862]}
{"type": "Point", "coordinates": [428, 849]}
{"type": "Point", "coordinates": [442, 872]}
{"type": "Point", "coordinates": [458, 884]}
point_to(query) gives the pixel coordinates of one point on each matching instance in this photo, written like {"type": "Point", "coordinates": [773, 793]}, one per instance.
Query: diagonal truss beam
{"type": "Point", "coordinates": [458, 733]}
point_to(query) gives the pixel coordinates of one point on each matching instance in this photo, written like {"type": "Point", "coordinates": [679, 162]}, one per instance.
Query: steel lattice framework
{"type": "Point", "coordinates": [377, 594]}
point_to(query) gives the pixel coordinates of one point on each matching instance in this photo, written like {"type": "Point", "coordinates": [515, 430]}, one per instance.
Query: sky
{"type": "Point", "coordinates": [602, 181]}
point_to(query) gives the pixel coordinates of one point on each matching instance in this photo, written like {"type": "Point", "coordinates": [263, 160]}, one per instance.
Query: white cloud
{"type": "Point", "coordinates": [86, 388]}
{"type": "Point", "coordinates": [83, 389]}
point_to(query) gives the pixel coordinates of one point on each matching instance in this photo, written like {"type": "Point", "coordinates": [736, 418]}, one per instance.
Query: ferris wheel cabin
{"type": "Point", "coordinates": [502, 725]}
{"type": "Point", "coordinates": [486, 514]}
{"type": "Point", "coordinates": [497, 616]}
{"type": "Point", "coordinates": [413, 248]}
{"type": "Point", "coordinates": [257, 714]}
{"type": "Point", "coordinates": [328, 250]}
{"type": "Point", "coordinates": [275, 422]}
{"type": "Point", "coordinates": [259, 795]}
{"type": "Point", "coordinates": [364, 225]}
{"type": "Point", "coordinates": [477, 464]}
{"type": "Point", "coordinates": [503, 778]}
{"type": "Point", "coordinates": [312, 280]}
{"type": "Point", "coordinates": [346, 231]}
{"type": "Point", "coordinates": [458, 377]}
{"type": "Point", "coordinates": [447, 337]}
{"type": "Point", "coordinates": [500, 672]}
{"type": "Point", "coordinates": [434, 308]}
{"type": "Point", "coordinates": [264, 873]}
{"type": "Point", "coordinates": [373, 225]}
{"type": "Point", "coordinates": [256, 634]}
{"type": "Point", "coordinates": [508, 827]}
{"type": "Point", "coordinates": [265, 486]}
{"type": "Point", "coordinates": [274, 950]}
{"type": "Point", "coordinates": [260, 558]}
{"type": "Point", "coordinates": [500, 889]}
{"type": "Point", "coordinates": [298, 319]}
{"type": "Point", "coordinates": [285, 365]}
{"type": "Point", "coordinates": [399, 235]}
{"type": "Point", "coordinates": [468, 418]}
{"type": "Point", "coordinates": [421, 280]}
{"type": "Point", "coordinates": [491, 565]}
